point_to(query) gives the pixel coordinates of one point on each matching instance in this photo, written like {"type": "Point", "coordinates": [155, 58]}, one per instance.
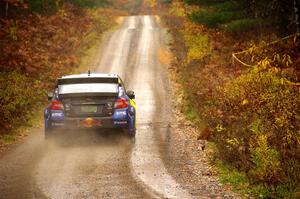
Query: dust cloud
{"type": "Point", "coordinates": [83, 163]}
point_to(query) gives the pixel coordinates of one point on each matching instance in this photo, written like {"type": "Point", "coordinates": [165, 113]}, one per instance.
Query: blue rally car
{"type": "Point", "coordinates": [91, 100]}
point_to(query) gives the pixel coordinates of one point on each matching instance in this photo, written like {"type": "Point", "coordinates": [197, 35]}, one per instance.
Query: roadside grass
{"type": "Point", "coordinates": [238, 180]}
{"type": "Point", "coordinates": [191, 114]}
{"type": "Point", "coordinates": [8, 138]}
{"type": "Point", "coordinates": [241, 184]}
{"type": "Point", "coordinates": [33, 120]}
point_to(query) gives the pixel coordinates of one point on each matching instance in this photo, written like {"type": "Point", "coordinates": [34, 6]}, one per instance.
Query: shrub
{"type": "Point", "coordinates": [18, 95]}
{"type": "Point", "coordinates": [198, 46]}
{"type": "Point", "coordinates": [199, 2]}
{"type": "Point", "coordinates": [258, 130]}
{"type": "Point", "coordinates": [228, 6]}
{"type": "Point", "coordinates": [266, 161]}
{"type": "Point", "coordinates": [165, 1]}
{"type": "Point", "coordinates": [89, 3]}
{"type": "Point", "coordinates": [212, 19]}
{"type": "Point", "coordinates": [43, 5]}
{"type": "Point", "coordinates": [243, 25]}
{"type": "Point", "coordinates": [217, 14]}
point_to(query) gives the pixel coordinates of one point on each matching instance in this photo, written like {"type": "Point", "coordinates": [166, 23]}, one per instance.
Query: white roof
{"type": "Point", "coordinates": [91, 75]}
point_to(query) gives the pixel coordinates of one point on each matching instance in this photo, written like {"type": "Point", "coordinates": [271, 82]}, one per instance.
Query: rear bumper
{"type": "Point", "coordinates": [104, 122]}
{"type": "Point", "coordinates": [58, 120]}
{"type": "Point", "coordinates": [98, 122]}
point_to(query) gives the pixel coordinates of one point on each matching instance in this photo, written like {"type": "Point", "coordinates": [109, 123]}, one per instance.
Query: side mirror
{"type": "Point", "coordinates": [130, 94]}
{"type": "Point", "coordinates": [50, 95]}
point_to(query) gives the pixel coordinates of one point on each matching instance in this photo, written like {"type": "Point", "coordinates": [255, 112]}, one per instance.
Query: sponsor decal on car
{"type": "Point", "coordinates": [120, 113]}
{"type": "Point", "coordinates": [90, 122]}
{"type": "Point", "coordinates": [56, 114]}
{"type": "Point", "coordinates": [57, 124]}
{"type": "Point", "coordinates": [120, 122]}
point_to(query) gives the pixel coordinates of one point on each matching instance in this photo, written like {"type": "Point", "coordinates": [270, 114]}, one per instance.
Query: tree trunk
{"type": "Point", "coordinates": [296, 9]}
{"type": "Point", "coordinates": [6, 9]}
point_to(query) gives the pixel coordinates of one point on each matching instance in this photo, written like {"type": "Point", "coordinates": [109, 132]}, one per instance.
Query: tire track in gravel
{"type": "Point", "coordinates": [142, 74]}
{"type": "Point", "coordinates": [147, 165]}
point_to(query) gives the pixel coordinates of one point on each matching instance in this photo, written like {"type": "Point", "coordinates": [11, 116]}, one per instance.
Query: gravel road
{"type": "Point", "coordinates": [106, 164]}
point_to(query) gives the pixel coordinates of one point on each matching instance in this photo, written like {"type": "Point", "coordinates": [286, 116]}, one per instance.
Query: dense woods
{"type": "Point", "coordinates": [39, 41]}
{"type": "Point", "coordinates": [232, 14]}
{"type": "Point", "coordinates": [238, 63]}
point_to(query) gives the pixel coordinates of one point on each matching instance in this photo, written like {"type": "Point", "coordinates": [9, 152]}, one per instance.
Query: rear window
{"type": "Point", "coordinates": [88, 88]}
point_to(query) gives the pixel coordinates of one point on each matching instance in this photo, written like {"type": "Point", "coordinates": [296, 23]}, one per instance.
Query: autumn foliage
{"type": "Point", "coordinates": [37, 48]}
{"type": "Point", "coordinates": [251, 107]}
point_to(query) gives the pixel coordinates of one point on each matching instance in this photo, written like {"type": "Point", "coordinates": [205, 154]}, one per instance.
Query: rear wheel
{"type": "Point", "coordinates": [132, 127]}
{"type": "Point", "coordinates": [132, 139]}
{"type": "Point", "coordinates": [48, 132]}
{"type": "Point", "coordinates": [130, 134]}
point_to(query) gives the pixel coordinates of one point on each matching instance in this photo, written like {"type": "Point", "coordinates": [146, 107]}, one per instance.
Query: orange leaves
{"type": "Point", "coordinates": [280, 53]}
{"type": "Point", "coordinates": [37, 49]}
{"type": "Point", "coordinates": [33, 41]}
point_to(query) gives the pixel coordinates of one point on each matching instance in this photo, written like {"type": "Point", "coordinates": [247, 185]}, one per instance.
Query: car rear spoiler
{"type": "Point", "coordinates": [76, 95]}
{"type": "Point", "coordinates": [82, 80]}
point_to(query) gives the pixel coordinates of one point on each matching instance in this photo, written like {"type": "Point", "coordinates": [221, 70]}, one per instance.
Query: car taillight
{"type": "Point", "coordinates": [121, 103]}
{"type": "Point", "coordinates": [56, 105]}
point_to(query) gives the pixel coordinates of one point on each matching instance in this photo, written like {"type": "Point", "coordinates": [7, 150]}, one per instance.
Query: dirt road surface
{"type": "Point", "coordinates": [105, 165]}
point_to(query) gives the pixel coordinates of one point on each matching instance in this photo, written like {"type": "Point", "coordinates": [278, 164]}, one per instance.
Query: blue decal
{"type": "Point", "coordinates": [57, 116]}
{"type": "Point", "coordinates": [120, 114]}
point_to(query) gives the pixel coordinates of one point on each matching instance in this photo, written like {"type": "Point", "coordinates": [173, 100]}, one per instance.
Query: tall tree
{"type": "Point", "coordinates": [296, 9]}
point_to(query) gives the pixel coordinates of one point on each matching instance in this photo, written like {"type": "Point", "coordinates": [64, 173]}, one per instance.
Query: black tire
{"type": "Point", "coordinates": [130, 135]}
{"type": "Point", "coordinates": [48, 133]}
{"type": "Point", "coordinates": [132, 139]}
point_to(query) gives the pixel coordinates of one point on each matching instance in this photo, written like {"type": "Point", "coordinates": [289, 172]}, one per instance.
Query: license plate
{"type": "Point", "coordinates": [89, 109]}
